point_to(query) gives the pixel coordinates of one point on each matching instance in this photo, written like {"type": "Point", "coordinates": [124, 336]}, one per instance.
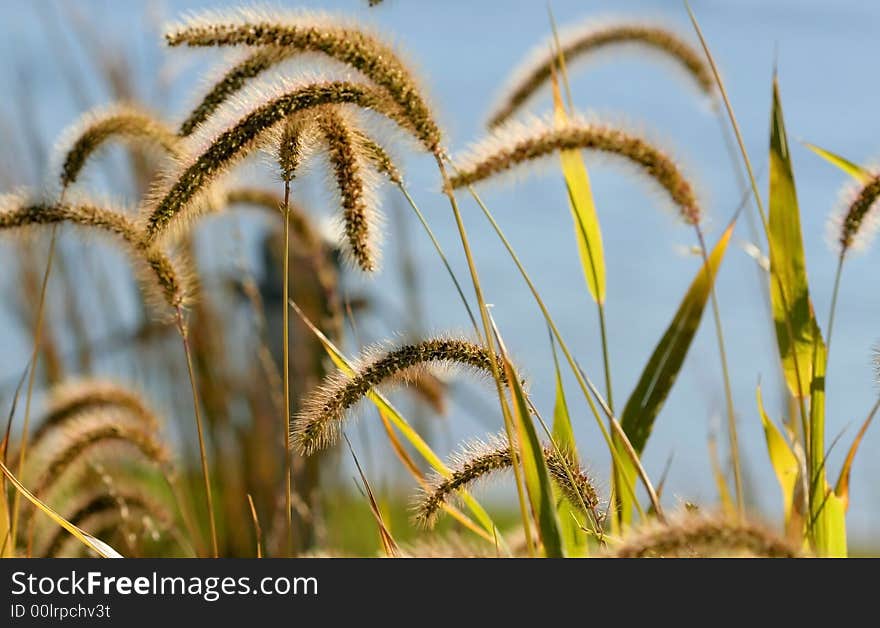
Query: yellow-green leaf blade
{"type": "Point", "coordinates": [583, 212]}
{"type": "Point", "coordinates": [852, 169]}
{"type": "Point", "coordinates": [789, 291]}
{"type": "Point", "coordinates": [841, 489]}
{"type": "Point", "coordinates": [662, 369]}
{"type": "Point", "coordinates": [782, 458]}
{"type": "Point", "coordinates": [574, 540]}
{"type": "Point", "coordinates": [665, 363]}
{"type": "Point", "coordinates": [537, 478]}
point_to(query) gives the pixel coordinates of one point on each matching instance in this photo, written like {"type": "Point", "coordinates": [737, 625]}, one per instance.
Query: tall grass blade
{"type": "Point", "coordinates": [573, 538]}
{"type": "Point", "coordinates": [665, 363]}
{"type": "Point", "coordinates": [841, 489]}
{"type": "Point", "coordinates": [537, 478]}
{"type": "Point", "coordinates": [854, 170]}
{"type": "Point", "coordinates": [785, 463]}
{"type": "Point", "coordinates": [583, 210]}
{"type": "Point", "coordinates": [796, 329]}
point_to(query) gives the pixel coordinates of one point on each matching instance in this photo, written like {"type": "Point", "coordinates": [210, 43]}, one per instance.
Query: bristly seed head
{"type": "Point", "coordinates": [478, 460]}
{"type": "Point", "coordinates": [119, 121]}
{"type": "Point", "coordinates": [579, 42]}
{"type": "Point", "coordinates": [165, 280]}
{"type": "Point", "coordinates": [517, 144]}
{"type": "Point", "coordinates": [299, 32]}
{"type": "Point", "coordinates": [696, 534]}
{"type": "Point", "coordinates": [857, 222]}
{"type": "Point", "coordinates": [348, 160]}
{"type": "Point", "coordinates": [318, 423]}
{"type": "Point", "coordinates": [178, 195]}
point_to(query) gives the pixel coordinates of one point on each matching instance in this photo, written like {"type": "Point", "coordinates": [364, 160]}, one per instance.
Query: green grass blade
{"type": "Point", "coordinates": [665, 363]}
{"type": "Point", "coordinates": [789, 295]}
{"type": "Point", "coordinates": [827, 509]}
{"type": "Point", "coordinates": [854, 170]}
{"type": "Point", "coordinates": [785, 463]}
{"type": "Point", "coordinates": [586, 222]}
{"type": "Point", "coordinates": [841, 489]}
{"type": "Point", "coordinates": [574, 540]}
{"type": "Point", "coordinates": [537, 478]}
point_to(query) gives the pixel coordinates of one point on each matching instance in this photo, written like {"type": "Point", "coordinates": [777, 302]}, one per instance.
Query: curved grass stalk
{"type": "Point", "coordinates": [203, 455]}
{"type": "Point", "coordinates": [587, 390]}
{"type": "Point", "coordinates": [754, 186]}
{"type": "Point", "coordinates": [488, 338]}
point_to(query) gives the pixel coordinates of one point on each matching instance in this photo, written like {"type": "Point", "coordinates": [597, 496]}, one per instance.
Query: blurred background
{"type": "Point", "coordinates": [62, 58]}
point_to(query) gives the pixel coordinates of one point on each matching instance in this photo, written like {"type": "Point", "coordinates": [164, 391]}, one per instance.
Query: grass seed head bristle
{"type": "Point", "coordinates": [299, 32]}
{"type": "Point", "coordinates": [121, 121]}
{"type": "Point", "coordinates": [856, 224]}
{"type": "Point", "coordinates": [295, 140]}
{"type": "Point", "coordinates": [317, 425]}
{"type": "Point", "coordinates": [166, 280]}
{"type": "Point", "coordinates": [518, 144]}
{"type": "Point", "coordinates": [85, 434]}
{"type": "Point", "coordinates": [72, 398]}
{"type": "Point", "coordinates": [348, 161]}
{"type": "Point", "coordinates": [580, 42]}
{"type": "Point", "coordinates": [121, 503]}
{"type": "Point", "coordinates": [211, 154]}
{"type": "Point", "coordinates": [479, 460]}
{"type": "Point", "coordinates": [695, 534]}
{"type": "Point", "coordinates": [230, 83]}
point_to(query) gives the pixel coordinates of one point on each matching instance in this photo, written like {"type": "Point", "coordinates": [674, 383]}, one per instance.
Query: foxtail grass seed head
{"type": "Point", "coordinates": [335, 37]}
{"type": "Point", "coordinates": [317, 425]}
{"type": "Point", "coordinates": [479, 460]}
{"type": "Point", "coordinates": [857, 222]}
{"type": "Point", "coordinates": [165, 280]}
{"type": "Point", "coordinates": [211, 153]}
{"type": "Point", "coordinates": [72, 398]}
{"type": "Point", "coordinates": [695, 534]}
{"type": "Point", "coordinates": [584, 40]}
{"type": "Point", "coordinates": [125, 122]}
{"type": "Point", "coordinates": [124, 507]}
{"type": "Point", "coordinates": [231, 82]}
{"type": "Point", "coordinates": [82, 437]}
{"type": "Point", "coordinates": [357, 198]}
{"type": "Point", "coordinates": [517, 144]}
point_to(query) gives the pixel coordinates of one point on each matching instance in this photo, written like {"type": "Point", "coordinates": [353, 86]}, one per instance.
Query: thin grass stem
{"type": "Point", "coordinates": [181, 328]}
{"type": "Point", "coordinates": [490, 346]}
{"type": "Point", "coordinates": [579, 375]}
{"type": "Point", "coordinates": [288, 489]}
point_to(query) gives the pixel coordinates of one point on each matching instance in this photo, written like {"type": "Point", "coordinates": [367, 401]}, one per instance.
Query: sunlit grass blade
{"type": "Point", "coordinates": [583, 210]}
{"type": "Point", "coordinates": [724, 496]}
{"type": "Point", "coordinates": [398, 421]}
{"type": "Point", "coordinates": [573, 538]}
{"type": "Point", "coordinates": [537, 478]}
{"type": "Point", "coordinates": [841, 489]}
{"type": "Point", "coordinates": [793, 317]}
{"type": "Point", "coordinates": [665, 363]}
{"type": "Point", "coordinates": [785, 463]}
{"type": "Point", "coordinates": [96, 545]}
{"type": "Point", "coordinates": [388, 542]}
{"type": "Point", "coordinates": [827, 529]}
{"type": "Point", "coordinates": [854, 170]}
